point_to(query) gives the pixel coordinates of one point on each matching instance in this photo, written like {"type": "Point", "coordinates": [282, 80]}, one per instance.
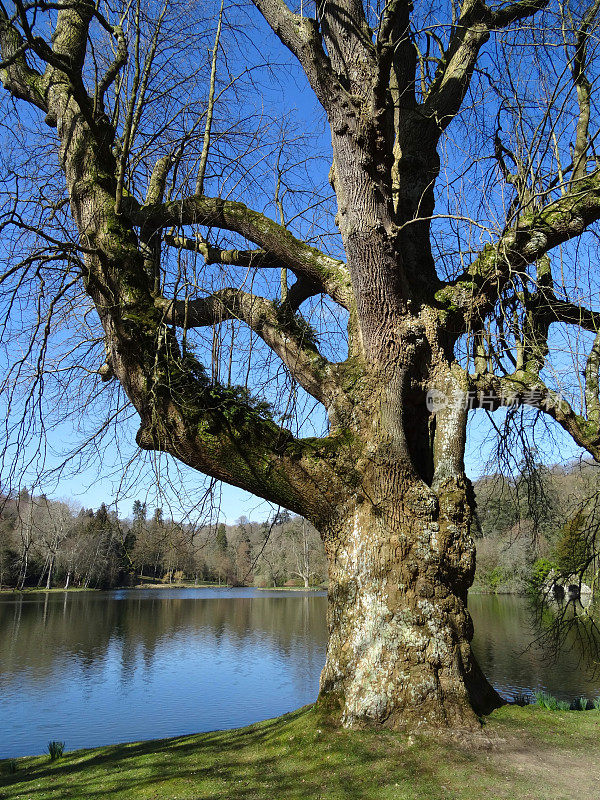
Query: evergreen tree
{"type": "Point", "coordinates": [222, 543]}
{"type": "Point", "coordinates": [573, 549]}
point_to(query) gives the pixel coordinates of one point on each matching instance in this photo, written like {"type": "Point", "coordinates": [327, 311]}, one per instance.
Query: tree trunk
{"type": "Point", "coordinates": [49, 575]}
{"type": "Point", "coordinates": [23, 570]}
{"type": "Point", "coordinates": [399, 650]}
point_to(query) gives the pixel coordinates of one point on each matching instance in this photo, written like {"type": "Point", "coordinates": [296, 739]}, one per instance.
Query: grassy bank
{"type": "Point", "coordinates": [527, 753]}
{"type": "Point", "coordinates": [148, 584]}
{"type": "Point", "coordinates": [291, 588]}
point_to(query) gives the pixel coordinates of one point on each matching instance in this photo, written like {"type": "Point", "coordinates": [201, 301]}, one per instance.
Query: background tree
{"type": "Point", "coordinates": [55, 527]}
{"type": "Point", "coordinates": [303, 547]}
{"type": "Point", "coordinates": [221, 539]}
{"type": "Point", "coordinates": [463, 165]}
{"type": "Point", "coordinates": [574, 552]}
{"type": "Point", "coordinates": [243, 553]}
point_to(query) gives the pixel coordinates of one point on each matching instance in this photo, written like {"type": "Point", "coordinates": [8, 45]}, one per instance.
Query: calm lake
{"type": "Point", "coordinates": [101, 667]}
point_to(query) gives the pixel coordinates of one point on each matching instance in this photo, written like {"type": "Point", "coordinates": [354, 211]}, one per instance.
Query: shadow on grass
{"type": "Point", "coordinates": [284, 758]}
{"type": "Point", "coordinates": [295, 756]}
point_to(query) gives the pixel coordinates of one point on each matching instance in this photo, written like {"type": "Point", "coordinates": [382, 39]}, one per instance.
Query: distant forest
{"type": "Point", "coordinates": [545, 518]}
{"type": "Point", "coordinates": [48, 543]}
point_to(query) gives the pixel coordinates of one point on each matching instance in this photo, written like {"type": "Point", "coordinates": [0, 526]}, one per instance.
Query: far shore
{"type": "Point", "coordinates": [8, 592]}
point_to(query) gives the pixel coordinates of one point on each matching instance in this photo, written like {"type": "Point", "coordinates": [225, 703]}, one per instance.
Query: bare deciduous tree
{"type": "Point", "coordinates": [464, 168]}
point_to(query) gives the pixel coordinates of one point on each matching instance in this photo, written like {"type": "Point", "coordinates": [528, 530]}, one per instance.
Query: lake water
{"type": "Point", "coordinates": [101, 667]}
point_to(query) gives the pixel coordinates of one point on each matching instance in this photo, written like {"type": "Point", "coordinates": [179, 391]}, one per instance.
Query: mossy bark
{"type": "Point", "coordinates": [399, 650]}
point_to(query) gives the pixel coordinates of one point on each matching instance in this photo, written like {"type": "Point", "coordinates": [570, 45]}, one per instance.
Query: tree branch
{"type": "Point", "coordinates": [397, 50]}
{"type": "Point", "coordinates": [583, 88]}
{"type": "Point", "coordinates": [473, 295]}
{"type": "Point", "coordinates": [330, 274]}
{"type": "Point", "coordinates": [254, 454]}
{"type": "Point", "coordinates": [592, 383]}
{"type": "Point", "coordinates": [17, 76]}
{"type": "Point", "coordinates": [250, 259]}
{"type": "Point", "coordinates": [472, 30]}
{"type": "Point", "coordinates": [119, 61]}
{"type": "Point", "coordinates": [286, 334]}
{"type": "Point", "coordinates": [514, 12]}
{"type": "Point", "coordinates": [302, 37]}
{"type": "Point", "coordinates": [523, 388]}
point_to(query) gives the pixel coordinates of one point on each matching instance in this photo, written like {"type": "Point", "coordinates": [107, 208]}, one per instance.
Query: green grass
{"type": "Point", "coordinates": [297, 757]}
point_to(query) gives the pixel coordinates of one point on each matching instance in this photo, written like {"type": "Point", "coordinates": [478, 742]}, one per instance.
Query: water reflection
{"type": "Point", "coordinates": [515, 655]}
{"type": "Point", "coordinates": [95, 668]}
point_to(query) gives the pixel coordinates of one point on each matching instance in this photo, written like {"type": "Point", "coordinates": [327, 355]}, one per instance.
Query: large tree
{"type": "Point", "coordinates": [463, 165]}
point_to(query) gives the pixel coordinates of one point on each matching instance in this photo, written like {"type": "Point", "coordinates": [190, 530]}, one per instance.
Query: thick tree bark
{"type": "Point", "coordinates": [399, 650]}
{"type": "Point", "coordinates": [401, 560]}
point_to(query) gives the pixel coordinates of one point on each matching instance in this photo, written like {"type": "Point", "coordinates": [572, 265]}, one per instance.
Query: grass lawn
{"type": "Point", "coordinates": [526, 753]}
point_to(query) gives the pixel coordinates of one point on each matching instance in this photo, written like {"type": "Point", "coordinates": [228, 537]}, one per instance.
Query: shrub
{"type": "Point", "coordinates": [521, 699]}
{"type": "Point", "coordinates": [597, 704]}
{"type": "Point", "coordinates": [496, 578]}
{"type": "Point", "coordinates": [55, 750]}
{"type": "Point", "coordinates": [574, 547]}
{"type": "Point", "coordinates": [550, 703]}
{"type": "Point", "coordinates": [582, 704]}
{"type": "Point", "coordinates": [539, 572]}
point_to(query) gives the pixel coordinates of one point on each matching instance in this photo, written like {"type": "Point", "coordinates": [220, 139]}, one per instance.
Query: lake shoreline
{"type": "Point", "coordinates": [126, 665]}
{"type": "Point", "coordinates": [300, 757]}
{"type": "Point", "coordinates": [140, 586]}
{"type": "Point", "coordinates": [11, 592]}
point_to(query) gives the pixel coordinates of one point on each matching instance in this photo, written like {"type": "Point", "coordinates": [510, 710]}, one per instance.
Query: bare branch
{"type": "Point", "coordinates": [584, 92]}
{"type": "Point", "coordinates": [250, 259]}
{"type": "Point", "coordinates": [17, 76]}
{"type": "Point", "coordinates": [472, 30]}
{"type": "Point", "coordinates": [533, 235]}
{"type": "Point", "coordinates": [301, 35]}
{"type": "Point", "coordinates": [286, 334]}
{"type": "Point", "coordinates": [210, 108]}
{"type": "Point", "coordinates": [521, 387]}
{"type": "Point", "coordinates": [592, 383]}
{"type": "Point", "coordinates": [328, 273]}
{"type": "Point", "coordinates": [118, 63]}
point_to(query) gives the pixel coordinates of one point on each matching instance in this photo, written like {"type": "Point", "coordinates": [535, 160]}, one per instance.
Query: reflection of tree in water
{"type": "Point", "coordinates": [46, 636]}
{"type": "Point", "coordinates": [519, 651]}
{"type": "Point", "coordinates": [38, 635]}
{"type": "Point", "coordinates": [567, 625]}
